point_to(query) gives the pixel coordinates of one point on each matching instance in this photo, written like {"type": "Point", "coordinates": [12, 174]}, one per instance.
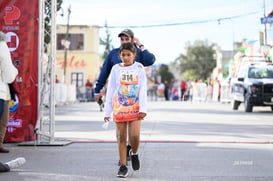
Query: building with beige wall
{"type": "Point", "coordinates": [82, 57]}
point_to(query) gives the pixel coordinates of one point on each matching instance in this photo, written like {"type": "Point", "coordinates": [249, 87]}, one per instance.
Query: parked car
{"type": "Point", "coordinates": [253, 86]}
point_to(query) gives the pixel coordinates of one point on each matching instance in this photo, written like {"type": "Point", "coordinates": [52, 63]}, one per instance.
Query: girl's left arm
{"type": "Point", "coordinates": [142, 90]}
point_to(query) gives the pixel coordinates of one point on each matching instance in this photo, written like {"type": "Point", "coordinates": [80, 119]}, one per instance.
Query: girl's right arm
{"type": "Point", "coordinates": [111, 87]}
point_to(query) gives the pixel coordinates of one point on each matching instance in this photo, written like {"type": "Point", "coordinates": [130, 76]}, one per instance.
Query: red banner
{"type": "Point", "coordinates": [19, 20]}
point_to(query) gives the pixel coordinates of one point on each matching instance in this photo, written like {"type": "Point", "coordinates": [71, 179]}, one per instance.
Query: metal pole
{"type": "Point", "coordinates": [43, 78]}
{"type": "Point", "coordinates": [66, 47]}
{"type": "Point", "coordinates": [40, 65]}
{"type": "Point", "coordinates": [265, 27]}
{"type": "Point", "coordinates": [52, 70]}
{"type": "Point", "coordinates": [233, 38]}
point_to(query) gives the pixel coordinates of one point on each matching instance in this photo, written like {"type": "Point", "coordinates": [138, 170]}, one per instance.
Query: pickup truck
{"type": "Point", "coordinates": [253, 86]}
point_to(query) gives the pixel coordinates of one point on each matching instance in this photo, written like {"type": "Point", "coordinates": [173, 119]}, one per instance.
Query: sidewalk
{"type": "Point", "coordinates": [93, 156]}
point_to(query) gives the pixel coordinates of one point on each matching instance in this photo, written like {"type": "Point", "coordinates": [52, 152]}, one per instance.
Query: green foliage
{"type": "Point", "coordinates": [48, 18]}
{"type": "Point", "coordinates": [106, 42]}
{"type": "Point", "coordinates": [199, 60]}
{"type": "Point", "coordinates": [164, 73]}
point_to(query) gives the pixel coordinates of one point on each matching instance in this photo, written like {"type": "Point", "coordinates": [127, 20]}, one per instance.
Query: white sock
{"type": "Point", "coordinates": [16, 163]}
{"type": "Point", "coordinates": [134, 153]}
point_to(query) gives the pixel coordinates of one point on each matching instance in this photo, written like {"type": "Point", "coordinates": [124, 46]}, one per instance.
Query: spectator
{"type": "Point", "coordinates": [89, 90]}
{"type": "Point", "coordinates": [57, 79]}
{"type": "Point", "coordinates": [152, 90]}
{"type": "Point", "coordinates": [8, 74]}
{"type": "Point", "coordinates": [143, 56]}
{"type": "Point", "coordinates": [183, 88]}
{"type": "Point", "coordinates": [160, 90]}
{"type": "Point", "coordinates": [166, 90]}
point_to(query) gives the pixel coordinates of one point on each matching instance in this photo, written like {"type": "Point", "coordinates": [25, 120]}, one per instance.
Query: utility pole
{"type": "Point", "coordinates": [66, 44]}
{"type": "Point", "coordinates": [265, 28]}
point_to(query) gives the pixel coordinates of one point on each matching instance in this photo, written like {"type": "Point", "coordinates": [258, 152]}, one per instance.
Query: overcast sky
{"type": "Point", "coordinates": [165, 26]}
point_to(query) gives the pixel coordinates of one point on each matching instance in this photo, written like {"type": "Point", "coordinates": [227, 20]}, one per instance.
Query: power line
{"type": "Point", "coordinates": [187, 22]}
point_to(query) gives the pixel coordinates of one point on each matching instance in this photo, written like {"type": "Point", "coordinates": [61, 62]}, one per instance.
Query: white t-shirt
{"type": "Point", "coordinates": [126, 94]}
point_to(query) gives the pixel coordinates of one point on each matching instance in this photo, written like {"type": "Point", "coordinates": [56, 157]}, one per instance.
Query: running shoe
{"type": "Point", "coordinates": [123, 171]}
{"type": "Point", "coordinates": [4, 167]}
{"type": "Point", "coordinates": [135, 161]}
{"type": "Point", "coordinates": [16, 163]}
{"type": "Point", "coordinates": [128, 157]}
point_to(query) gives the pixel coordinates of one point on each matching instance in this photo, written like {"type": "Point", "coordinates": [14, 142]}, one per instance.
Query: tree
{"type": "Point", "coordinates": [48, 19]}
{"type": "Point", "coordinates": [199, 60]}
{"type": "Point", "coordinates": [164, 73]}
{"type": "Point", "coordinates": [106, 42]}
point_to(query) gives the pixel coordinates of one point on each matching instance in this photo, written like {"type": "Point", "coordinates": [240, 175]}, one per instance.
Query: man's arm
{"type": "Point", "coordinates": [104, 74]}
{"type": "Point", "coordinates": [145, 57]}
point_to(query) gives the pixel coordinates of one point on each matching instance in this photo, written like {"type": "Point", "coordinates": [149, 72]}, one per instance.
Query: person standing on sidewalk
{"type": "Point", "coordinates": [7, 75]}
{"type": "Point", "coordinates": [183, 88]}
{"type": "Point", "coordinates": [143, 56]}
{"type": "Point", "coordinates": [126, 98]}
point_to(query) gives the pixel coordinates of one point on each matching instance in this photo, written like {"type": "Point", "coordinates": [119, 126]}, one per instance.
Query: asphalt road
{"type": "Point", "coordinates": [179, 141]}
{"type": "Point", "coordinates": [172, 121]}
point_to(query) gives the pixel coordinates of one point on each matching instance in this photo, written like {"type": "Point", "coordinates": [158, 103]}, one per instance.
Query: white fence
{"type": "Point", "coordinates": [200, 92]}
{"type": "Point", "coordinates": [63, 94]}
{"type": "Point", "coordinates": [225, 95]}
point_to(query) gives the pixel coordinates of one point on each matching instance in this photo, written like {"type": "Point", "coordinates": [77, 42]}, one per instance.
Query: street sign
{"type": "Point", "coordinates": [267, 20]}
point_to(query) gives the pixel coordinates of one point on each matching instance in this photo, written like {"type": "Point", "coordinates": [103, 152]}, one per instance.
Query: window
{"type": "Point", "coordinates": [77, 79]}
{"type": "Point", "coordinates": [261, 72]}
{"type": "Point", "coordinates": [76, 41]}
